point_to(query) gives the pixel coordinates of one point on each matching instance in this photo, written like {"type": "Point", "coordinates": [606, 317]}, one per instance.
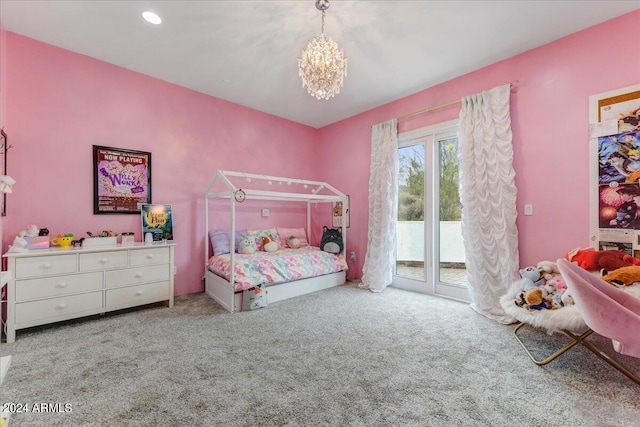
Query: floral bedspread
{"type": "Point", "coordinates": [283, 265]}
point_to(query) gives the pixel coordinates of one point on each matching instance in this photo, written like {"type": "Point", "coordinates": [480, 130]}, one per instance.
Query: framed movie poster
{"type": "Point", "coordinates": [157, 220]}
{"type": "Point", "coordinates": [121, 180]}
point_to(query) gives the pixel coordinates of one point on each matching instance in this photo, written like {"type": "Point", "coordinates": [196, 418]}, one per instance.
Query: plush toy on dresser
{"type": "Point", "coordinates": [19, 245]}
{"type": "Point", "coordinates": [31, 231]}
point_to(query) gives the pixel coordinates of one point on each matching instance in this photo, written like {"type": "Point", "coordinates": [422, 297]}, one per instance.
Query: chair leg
{"type": "Point", "coordinates": [595, 350]}
{"type": "Point", "coordinates": [576, 339]}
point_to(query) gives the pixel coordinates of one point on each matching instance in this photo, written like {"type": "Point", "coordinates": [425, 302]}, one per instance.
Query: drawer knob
{"type": "Point", "coordinates": [138, 275]}
{"type": "Point", "coordinates": [150, 256]}
{"type": "Point", "coordinates": [46, 265]}
{"type": "Point", "coordinates": [138, 293]}
{"type": "Point", "coordinates": [104, 260]}
{"type": "Point", "coordinates": [61, 285]}
{"type": "Point", "coordinates": [61, 306]}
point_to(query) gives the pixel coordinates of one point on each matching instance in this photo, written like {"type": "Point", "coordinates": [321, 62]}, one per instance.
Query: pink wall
{"type": "Point", "coordinates": [549, 113]}
{"type": "Point", "coordinates": [61, 103]}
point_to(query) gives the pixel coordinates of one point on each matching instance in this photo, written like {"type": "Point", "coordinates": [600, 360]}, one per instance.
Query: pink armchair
{"type": "Point", "coordinates": [607, 310]}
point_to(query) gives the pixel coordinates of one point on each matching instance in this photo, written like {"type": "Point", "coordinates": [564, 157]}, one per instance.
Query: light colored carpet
{"type": "Point", "coordinates": [340, 357]}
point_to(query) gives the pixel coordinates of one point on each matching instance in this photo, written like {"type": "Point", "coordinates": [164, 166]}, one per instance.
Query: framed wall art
{"type": "Point", "coordinates": [157, 220]}
{"type": "Point", "coordinates": [614, 163]}
{"type": "Point", "coordinates": [340, 214]}
{"type": "Point", "coordinates": [121, 180]}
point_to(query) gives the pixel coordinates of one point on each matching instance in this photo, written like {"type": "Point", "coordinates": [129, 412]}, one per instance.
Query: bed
{"type": "Point", "coordinates": [287, 272]}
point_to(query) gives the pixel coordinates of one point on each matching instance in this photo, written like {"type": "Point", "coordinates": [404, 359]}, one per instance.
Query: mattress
{"type": "Point", "coordinates": [283, 265]}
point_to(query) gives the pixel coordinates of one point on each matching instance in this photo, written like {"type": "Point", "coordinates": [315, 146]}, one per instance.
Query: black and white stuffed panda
{"type": "Point", "coordinates": [332, 240]}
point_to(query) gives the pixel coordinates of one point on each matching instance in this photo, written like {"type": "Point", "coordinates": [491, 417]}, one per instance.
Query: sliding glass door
{"type": "Point", "coordinates": [410, 231]}
{"type": "Point", "coordinates": [429, 247]}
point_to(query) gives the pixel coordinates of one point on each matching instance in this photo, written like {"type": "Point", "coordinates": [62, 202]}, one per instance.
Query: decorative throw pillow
{"type": "Point", "coordinates": [219, 241]}
{"type": "Point", "coordinates": [240, 234]}
{"type": "Point", "coordinates": [298, 233]}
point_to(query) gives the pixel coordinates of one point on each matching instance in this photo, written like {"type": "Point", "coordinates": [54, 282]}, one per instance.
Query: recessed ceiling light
{"type": "Point", "coordinates": [151, 17]}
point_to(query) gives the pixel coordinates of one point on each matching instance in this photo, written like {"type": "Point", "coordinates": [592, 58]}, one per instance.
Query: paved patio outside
{"type": "Point", "coordinates": [454, 276]}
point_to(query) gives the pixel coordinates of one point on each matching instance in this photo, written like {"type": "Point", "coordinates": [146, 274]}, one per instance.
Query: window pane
{"type": "Point", "coordinates": [410, 231]}
{"type": "Point", "coordinates": [452, 268]}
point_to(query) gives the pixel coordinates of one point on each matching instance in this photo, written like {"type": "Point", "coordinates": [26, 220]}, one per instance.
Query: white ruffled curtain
{"type": "Point", "coordinates": [383, 210]}
{"type": "Point", "coordinates": [488, 196]}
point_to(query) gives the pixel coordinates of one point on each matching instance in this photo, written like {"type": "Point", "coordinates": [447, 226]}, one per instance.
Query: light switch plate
{"type": "Point", "coordinates": [265, 213]}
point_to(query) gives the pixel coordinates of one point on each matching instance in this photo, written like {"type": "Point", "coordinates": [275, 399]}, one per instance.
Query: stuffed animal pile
{"type": "Point", "coordinates": [617, 267]}
{"type": "Point", "coordinates": [542, 287]}
{"type": "Point", "coordinates": [20, 244]}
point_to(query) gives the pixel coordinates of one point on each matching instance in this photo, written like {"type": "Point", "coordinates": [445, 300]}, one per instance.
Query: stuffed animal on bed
{"type": "Point", "coordinates": [294, 242]}
{"type": "Point", "coordinates": [331, 240]}
{"type": "Point", "coordinates": [246, 245]}
{"type": "Point", "coordinates": [269, 244]}
{"type": "Point", "coordinates": [593, 260]}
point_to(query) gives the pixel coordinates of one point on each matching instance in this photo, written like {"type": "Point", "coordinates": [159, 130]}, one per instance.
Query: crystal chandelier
{"type": "Point", "coordinates": [322, 65]}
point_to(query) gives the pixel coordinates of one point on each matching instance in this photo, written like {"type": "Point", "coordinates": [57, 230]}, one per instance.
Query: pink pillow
{"type": "Point", "coordinates": [298, 233]}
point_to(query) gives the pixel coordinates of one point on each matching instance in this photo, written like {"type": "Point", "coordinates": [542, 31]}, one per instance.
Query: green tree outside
{"type": "Point", "coordinates": [450, 206]}
{"type": "Point", "coordinates": [411, 188]}
{"type": "Point", "coordinates": [411, 182]}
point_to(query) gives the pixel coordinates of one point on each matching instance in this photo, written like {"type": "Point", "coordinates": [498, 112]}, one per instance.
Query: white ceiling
{"type": "Point", "coordinates": [246, 51]}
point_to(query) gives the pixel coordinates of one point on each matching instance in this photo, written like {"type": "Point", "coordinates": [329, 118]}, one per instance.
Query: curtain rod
{"type": "Point", "coordinates": [437, 107]}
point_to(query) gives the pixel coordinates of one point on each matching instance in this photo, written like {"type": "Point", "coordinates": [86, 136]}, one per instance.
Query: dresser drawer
{"type": "Point", "coordinates": [103, 260]}
{"type": "Point", "coordinates": [137, 295]}
{"type": "Point", "coordinates": [56, 286]}
{"type": "Point", "coordinates": [135, 275]}
{"type": "Point", "coordinates": [40, 266]}
{"type": "Point", "coordinates": [150, 256]}
{"type": "Point", "coordinates": [60, 308]}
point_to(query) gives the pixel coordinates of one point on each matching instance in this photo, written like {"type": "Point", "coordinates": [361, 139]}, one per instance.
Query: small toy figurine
{"type": "Point", "coordinates": [78, 242]}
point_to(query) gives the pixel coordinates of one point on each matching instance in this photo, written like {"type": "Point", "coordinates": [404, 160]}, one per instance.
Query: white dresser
{"type": "Point", "coordinates": [51, 285]}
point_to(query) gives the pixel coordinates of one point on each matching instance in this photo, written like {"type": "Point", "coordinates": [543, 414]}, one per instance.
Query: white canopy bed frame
{"type": "Point", "coordinates": [222, 186]}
